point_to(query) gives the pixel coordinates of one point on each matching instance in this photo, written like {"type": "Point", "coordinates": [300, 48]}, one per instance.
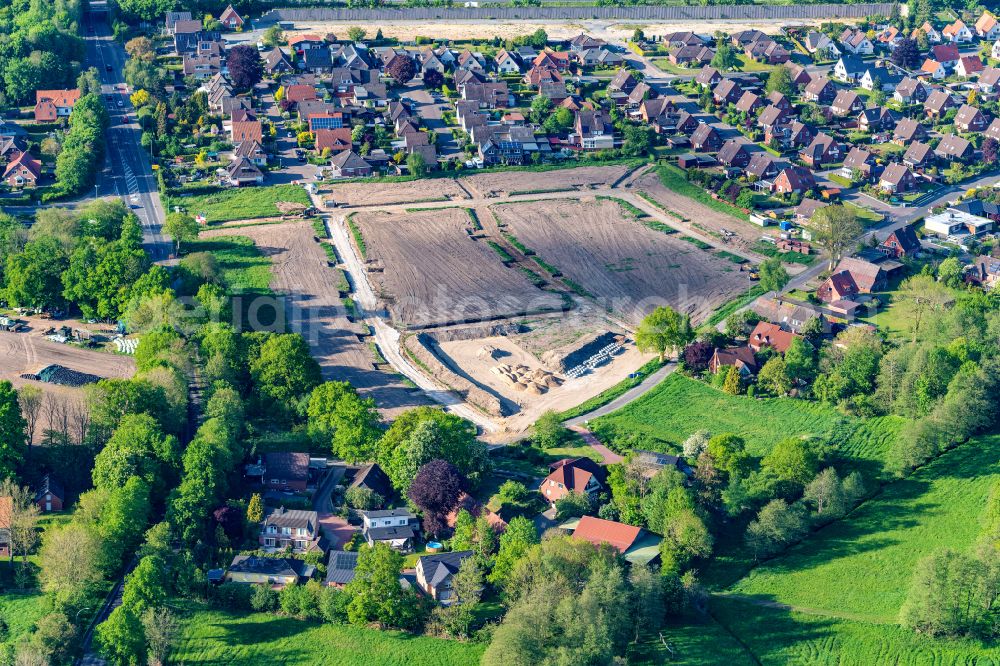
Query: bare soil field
{"type": "Point", "coordinates": [525, 406]}
{"type": "Point", "coordinates": [382, 194]}
{"type": "Point", "coordinates": [29, 352]}
{"type": "Point", "coordinates": [626, 267]}
{"type": "Point", "coordinates": [506, 183]}
{"type": "Point", "coordinates": [429, 270]}
{"type": "Point", "coordinates": [314, 309]}
{"type": "Point", "coordinates": [698, 215]}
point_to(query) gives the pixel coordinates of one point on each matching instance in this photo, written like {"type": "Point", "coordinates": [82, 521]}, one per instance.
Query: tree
{"type": "Point", "coordinates": [375, 592]}
{"type": "Point", "coordinates": [283, 370]}
{"type": "Point", "coordinates": [990, 149]}
{"type": "Point", "coordinates": [725, 58]}
{"type": "Point", "coordinates": [638, 138]}
{"type": "Point", "coordinates": [355, 34]}
{"type": "Point", "coordinates": [573, 505]}
{"type": "Point", "coordinates": [792, 460]}
{"type": "Point", "coordinates": [906, 54]}
{"type": "Point", "coordinates": [951, 595]}
{"type": "Point", "coordinates": [698, 355]}
{"type": "Point", "coordinates": [55, 637]}
{"type": "Point", "coordinates": [273, 36]}
{"type": "Point", "coordinates": [436, 490]}
{"type": "Point", "coordinates": [363, 498]}
{"type": "Point", "coordinates": [733, 384]}
{"type": "Point", "coordinates": [141, 48]}
{"type": "Point", "coordinates": [160, 628]}
{"type": "Point", "coordinates": [340, 418]}
{"type": "Point", "coordinates": [121, 637]}
{"type": "Point", "coordinates": [467, 586]}
{"type": "Point", "coordinates": [246, 69]}
{"type": "Point", "coordinates": [19, 514]}
{"type": "Point", "coordinates": [950, 271]}
{"type": "Point", "coordinates": [433, 79]}
{"type": "Point", "coordinates": [33, 277]}
{"type": "Point", "coordinates": [696, 443]}
{"type": "Point", "coordinates": [255, 509]}
{"type": "Point", "coordinates": [835, 227]}
{"type": "Point", "coordinates": [800, 360]}
{"type": "Point", "coordinates": [780, 80]}
{"type": "Point", "coordinates": [773, 276]}
{"type": "Point", "coordinates": [416, 164]}
{"type": "Point", "coordinates": [728, 453]}
{"type": "Point", "coordinates": [773, 377]}
{"type": "Point", "coordinates": [30, 400]}
{"type": "Point", "coordinates": [519, 536]}
{"type": "Point", "coordinates": [777, 525]}
{"type": "Point", "coordinates": [182, 228]}
{"type": "Point", "coordinates": [925, 294]}
{"type": "Point", "coordinates": [402, 69]}
{"type": "Point", "coordinates": [541, 107]}
{"type": "Point", "coordinates": [663, 330]}
{"type": "Point", "coordinates": [549, 430]}
{"type": "Point", "coordinates": [12, 430]}
{"type": "Point", "coordinates": [144, 10]}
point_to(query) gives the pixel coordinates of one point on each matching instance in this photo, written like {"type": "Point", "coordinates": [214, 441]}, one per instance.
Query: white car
{"type": "Point", "coordinates": [121, 103]}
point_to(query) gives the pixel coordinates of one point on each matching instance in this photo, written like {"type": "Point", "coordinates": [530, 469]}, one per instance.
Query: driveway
{"type": "Point", "coordinates": [430, 107]}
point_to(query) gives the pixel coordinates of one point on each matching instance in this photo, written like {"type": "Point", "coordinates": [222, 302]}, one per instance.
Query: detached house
{"type": "Point", "coordinates": [824, 149]}
{"type": "Point", "coordinates": [51, 105]}
{"type": "Point", "coordinates": [794, 180]}
{"type": "Point", "coordinates": [846, 103]}
{"type": "Point", "coordinates": [918, 156]}
{"type": "Point", "coordinates": [231, 19]}
{"type": "Point", "coordinates": [283, 528]}
{"type": "Point", "coordinates": [957, 32]}
{"type": "Point", "coordinates": [727, 92]}
{"type": "Point", "coordinates": [436, 573]}
{"type": "Point", "coordinates": [902, 242]}
{"type": "Point", "coordinates": [348, 164]}
{"type": "Point", "coordinates": [988, 80]}
{"type": "Point", "coordinates": [970, 119]}
{"type": "Point", "coordinates": [933, 69]}
{"type": "Point", "coordinates": [856, 41]}
{"type": "Point", "coordinates": [270, 571]}
{"type": "Point", "coordinates": [708, 77]}
{"type": "Point", "coordinates": [969, 66]}
{"type": "Point", "coordinates": [766, 334]}
{"type": "Point", "coordinates": [23, 171]}
{"type": "Point", "coordinates": [896, 179]}
{"type": "Point", "coordinates": [849, 68]}
{"type": "Point", "coordinates": [938, 103]}
{"type": "Point", "coordinates": [636, 546]}
{"type": "Point", "coordinates": [242, 172]}
{"type": "Point", "coordinates": [593, 130]}
{"type": "Point", "coordinates": [50, 495]}
{"type": "Point", "coordinates": [706, 139]}
{"type": "Point", "coordinates": [910, 91]}
{"type": "Point", "coordinates": [572, 475]}
{"type": "Point", "coordinates": [908, 130]}
{"type": "Point", "coordinates": [987, 28]}
{"type": "Point", "coordinates": [858, 161]}
{"type": "Point", "coordinates": [734, 154]}
{"type": "Point", "coordinates": [954, 148]}
{"type": "Point", "coordinates": [395, 527]}
{"type": "Point", "coordinates": [946, 54]}
{"type": "Point", "coordinates": [820, 91]}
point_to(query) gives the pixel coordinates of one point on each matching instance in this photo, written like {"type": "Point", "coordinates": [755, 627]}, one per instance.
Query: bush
{"type": "Point", "coordinates": [363, 498]}
{"type": "Point", "coordinates": [264, 599]}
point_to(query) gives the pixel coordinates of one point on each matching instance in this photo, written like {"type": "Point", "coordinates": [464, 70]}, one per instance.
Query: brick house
{"type": "Point", "coordinates": [580, 475]}
{"type": "Point", "coordinates": [51, 105]}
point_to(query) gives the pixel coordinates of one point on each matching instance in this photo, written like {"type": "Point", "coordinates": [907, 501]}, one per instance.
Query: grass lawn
{"type": "Point", "coordinates": [243, 203]}
{"type": "Point", "coordinates": [777, 637]}
{"type": "Point", "coordinates": [695, 641]}
{"type": "Point", "coordinates": [751, 65]}
{"type": "Point", "coordinates": [214, 637]}
{"type": "Point", "coordinates": [679, 406]}
{"type": "Point", "coordinates": [244, 269]}
{"type": "Point", "coordinates": [866, 216]}
{"type": "Point", "coordinates": [583, 451]}
{"type": "Point", "coordinates": [673, 178]}
{"type": "Point", "coordinates": [860, 568]}
{"type": "Point", "coordinates": [671, 68]}
{"type": "Point", "coordinates": [21, 611]}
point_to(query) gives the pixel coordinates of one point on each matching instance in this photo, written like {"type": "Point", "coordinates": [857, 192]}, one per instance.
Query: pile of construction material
{"type": "Point", "coordinates": [57, 374]}
{"type": "Point", "coordinates": [126, 345]}
{"type": "Point", "coordinates": [600, 358]}
{"type": "Point", "coordinates": [523, 378]}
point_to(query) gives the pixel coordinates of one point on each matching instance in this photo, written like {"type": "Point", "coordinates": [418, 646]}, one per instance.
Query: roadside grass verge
{"type": "Point", "coordinates": [861, 567]}
{"type": "Point", "coordinates": [606, 396]}
{"type": "Point", "coordinates": [673, 178]}
{"type": "Point", "coordinates": [239, 203]}
{"type": "Point", "coordinates": [732, 306]}
{"type": "Point", "coordinates": [215, 637]}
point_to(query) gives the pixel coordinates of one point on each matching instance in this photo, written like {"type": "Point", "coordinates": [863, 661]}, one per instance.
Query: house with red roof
{"type": "Point", "coordinates": [231, 19]}
{"type": "Point", "coordinates": [572, 475]}
{"type": "Point", "coordinates": [53, 104]}
{"type": "Point", "coordinates": [766, 334]}
{"type": "Point", "coordinates": [23, 171]}
{"type": "Point", "coordinates": [636, 545]}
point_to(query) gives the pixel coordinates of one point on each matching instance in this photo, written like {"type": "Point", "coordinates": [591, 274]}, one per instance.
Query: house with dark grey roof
{"type": "Point", "coordinates": [436, 573]}
{"type": "Point", "coordinates": [371, 477]}
{"type": "Point", "coordinates": [396, 527]}
{"type": "Point", "coordinates": [290, 528]}
{"type": "Point", "coordinates": [285, 470]}
{"type": "Point", "coordinates": [50, 495]}
{"type": "Point", "coordinates": [272, 571]}
{"type": "Point", "coordinates": [340, 567]}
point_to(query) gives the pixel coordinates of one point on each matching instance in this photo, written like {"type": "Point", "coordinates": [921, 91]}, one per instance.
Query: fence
{"type": "Point", "coordinates": [640, 13]}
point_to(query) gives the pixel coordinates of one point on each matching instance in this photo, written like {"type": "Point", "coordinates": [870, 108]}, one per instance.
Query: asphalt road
{"type": "Point", "coordinates": [128, 173]}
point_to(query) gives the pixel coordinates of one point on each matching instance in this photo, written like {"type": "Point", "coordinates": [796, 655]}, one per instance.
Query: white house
{"type": "Point", "coordinates": [933, 69]}
{"type": "Point", "coordinates": [856, 42]}
{"type": "Point", "coordinates": [395, 527]}
{"type": "Point", "coordinates": [957, 32]}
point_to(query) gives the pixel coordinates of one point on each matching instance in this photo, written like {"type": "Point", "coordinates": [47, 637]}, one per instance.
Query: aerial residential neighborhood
{"type": "Point", "coordinates": [499, 333]}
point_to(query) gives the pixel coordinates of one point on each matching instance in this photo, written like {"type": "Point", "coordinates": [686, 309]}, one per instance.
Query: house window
{"type": "Point", "coordinates": [269, 542]}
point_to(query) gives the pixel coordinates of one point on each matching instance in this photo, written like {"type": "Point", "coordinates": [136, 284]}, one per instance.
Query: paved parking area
{"type": "Point", "coordinates": [430, 107]}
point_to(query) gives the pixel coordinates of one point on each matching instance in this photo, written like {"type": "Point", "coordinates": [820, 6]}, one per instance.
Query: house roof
{"type": "Point", "coordinates": [945, 53]}
{"type": "Point", "coordinates": [853, 64]}
{"type": "Point", "coordinates": [907, 239]}
{"type": "Point", "coordinates": [50, 485]}
{"type": "Point", "coordinates": [771, 115]}
{"type": "Point", "coordinates": [28, 162]}
{"type": "Point", "coordinates": [287, 465]}
{"type": "Point", "coordinates": [844, 100]}
{"type": "Point", "coordinates": [248, 149]}
{"type": "Point", "coordinates": [938, 101]}
{"type": "Point", "coordinates": [966, 114]}
{"type": "Point", "coordinates": [388, 513]}
{"type": "Point", "coordinates": [760, 164]}
{"type": "Point", "coordinates": [970, 64]}
{"type": "Point", "coordinates": [748, 102]}
{"type": "Point", "coordinates": [576, 473]}
{"type": "Point", "coordinates": [767, 334]}
{"type": "Point", "coordinates": [908, 86]}
{"type": "Point", "coordinates": [930, 66]}
{"type": "Point", "coordinates": [439, 567]}
{"type": "Point", "coordinates": [985, 23]}
{"type": "Point", "coordinates": [841, 283]}
{"type": "Point", "coordinates": [917, 153]}
{"type": "Point", "coordinates": [597, 531]}
{"type": "Point", "coordinates": [293, 518]}
{"type": "Point", "coordinates": [908, 129]}
{"type": "Point", "coordinates": [706, 75]}
{"type": "Point", "coordinates": [58, 97]}
{"type": "Point", "coordinates": [857, 158]}
{"type": "Point", "coordinates": [864, 273]}
{"type": "Point", "coordinates": [340, 567]}
{"type": "Point", "coordinates": [799, 178]}
{"type": "Point", "coordinates": [953, 146]}
{"type": "Point", "coordinates": [338, 139]}
{"type": "Point", "coordinates": [730, 151]}
{"type": "Point", "coordinates": [372, 477]}
{"type": "Point", "coordinates": [242, 169]}
{"type": "Point", "coordinates": [817, 86]}
{"type": "Point", "coordinates": [230, 13]}
{"type": "Point", "coordinates": [737, 356]}
{"type": "Point", "coordinates": [349, 159]}
{"type": "Point", "coordinates": [895, 173]}
{"type": "Point", "coordinates": [270, 566]}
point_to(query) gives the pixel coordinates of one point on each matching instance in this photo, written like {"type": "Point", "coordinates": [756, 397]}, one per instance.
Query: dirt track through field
{"type": "Point", "coordinates": [314, 309]}
{"type": "Point", "coordinates": [624, 265]}
{"type": "Point", "coordinates": [505, 183]}
{"type": "Point", "coordinates": [433, 272]}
